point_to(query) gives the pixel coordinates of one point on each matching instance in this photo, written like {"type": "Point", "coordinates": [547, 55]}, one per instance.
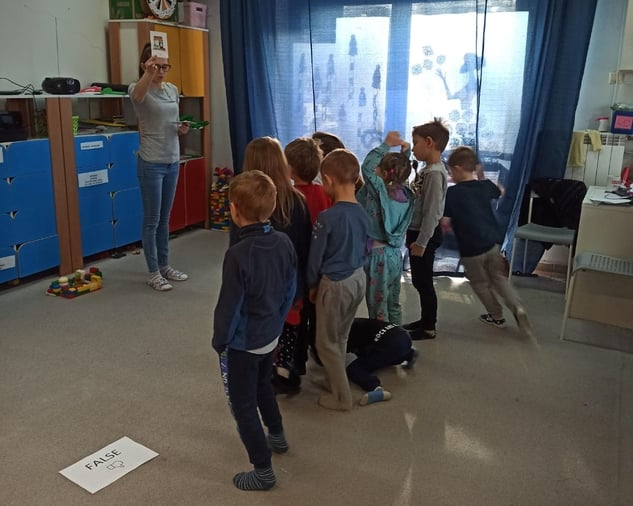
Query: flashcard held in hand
{"type": "Point", "coordinates": [159, 44]}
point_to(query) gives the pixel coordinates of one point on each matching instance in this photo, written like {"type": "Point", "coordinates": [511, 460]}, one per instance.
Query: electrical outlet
{"type": "Point", "coordinates": [613, 77]}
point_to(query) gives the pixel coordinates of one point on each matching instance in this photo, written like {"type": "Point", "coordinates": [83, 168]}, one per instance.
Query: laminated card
{"type": "Point", "coordinates": [108, 464]}
{"type": "Point", "coordinates": [158, 41]}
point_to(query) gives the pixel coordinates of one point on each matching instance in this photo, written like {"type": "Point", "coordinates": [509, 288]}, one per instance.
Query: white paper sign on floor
{"type": "Point", "coordinates": [108, 464]}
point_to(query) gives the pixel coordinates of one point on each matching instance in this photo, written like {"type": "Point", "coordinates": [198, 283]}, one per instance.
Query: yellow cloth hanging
{"type": "Point", "coordinates": [577, 150]}
{"type": "Point", "coordinates": [594, 138]}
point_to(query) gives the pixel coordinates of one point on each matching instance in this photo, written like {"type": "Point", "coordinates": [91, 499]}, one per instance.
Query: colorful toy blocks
{"type": "Point", "coordinates": [79, 283]}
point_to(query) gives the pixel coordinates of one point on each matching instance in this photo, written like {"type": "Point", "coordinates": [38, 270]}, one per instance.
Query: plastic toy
{"type": "Point", "coordinates": [79, 283]}
{"type": "Point", "coordinates": [193, 124]}
{"type": "Point", "coordinates": [220, 212]}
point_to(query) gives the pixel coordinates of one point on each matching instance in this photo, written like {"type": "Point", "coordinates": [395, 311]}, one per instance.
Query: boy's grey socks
{"type": "Point", "coordinates": [257, 479]}
{"type": "Point", "coordinates": [278, 443]}
{"type": "Point", "coordinates": [263, 478]}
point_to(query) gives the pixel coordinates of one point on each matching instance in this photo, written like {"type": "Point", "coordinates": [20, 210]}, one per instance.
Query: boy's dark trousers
{"type": "Point", "coordinates": [393, 349]}
{"type": "Point", "coordinates": [250, 388]}
{"type": "Point", "coordinates": [306, 337]}
{"type": "Point", "coordinates": [422, 279]}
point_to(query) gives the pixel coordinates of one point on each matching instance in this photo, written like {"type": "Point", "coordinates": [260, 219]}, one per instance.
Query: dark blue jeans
{"type": "Point", "coordinates": [157, 182]}
{"type": "Point", "coordinates": [250, 389]}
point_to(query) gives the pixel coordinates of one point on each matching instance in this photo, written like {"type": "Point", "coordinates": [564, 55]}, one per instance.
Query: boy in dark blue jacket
{"type": "Point", "coordinates": [258, 286]}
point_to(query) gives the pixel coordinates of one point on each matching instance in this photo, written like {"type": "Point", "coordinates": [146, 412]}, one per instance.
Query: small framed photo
{"type": "Point", "coordinates": [158, 41]}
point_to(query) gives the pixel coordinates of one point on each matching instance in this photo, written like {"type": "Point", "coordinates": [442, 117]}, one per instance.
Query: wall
{"type": "Point", "coordinates": [609, 49]}
{"type": "Point", "coordinates": [221, 141]}
{"type": "Point", "coordinates": [44, 38]}
{"type": "Point", "coordinates": [41, 38]}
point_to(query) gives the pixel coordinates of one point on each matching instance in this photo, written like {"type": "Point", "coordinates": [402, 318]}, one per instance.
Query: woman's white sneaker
{"type": "Point", "coordinates": [159, 283]}
{"type": "Point", "coordinates": [172, 274]}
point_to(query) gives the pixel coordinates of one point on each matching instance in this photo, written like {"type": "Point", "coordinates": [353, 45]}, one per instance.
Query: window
{"type": "Point", "coordinates": [373, 68]}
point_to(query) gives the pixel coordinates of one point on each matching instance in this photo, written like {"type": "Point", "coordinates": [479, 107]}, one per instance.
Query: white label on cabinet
{"type": "Point", "coordinates": [1, 155]}
{"type": "Point", "coordinates": [90, 145]}
{"type": "Point", "coordinates": [93, 178]}
{"type": "Point", "coordinates": [7, 263]}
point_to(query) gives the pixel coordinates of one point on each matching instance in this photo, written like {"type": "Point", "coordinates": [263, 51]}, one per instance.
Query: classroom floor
{"type": "Point", "coordinates": [487, 417]}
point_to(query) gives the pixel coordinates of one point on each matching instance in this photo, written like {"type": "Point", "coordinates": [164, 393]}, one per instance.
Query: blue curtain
{"type": "Point", "coordinates": [505, 76]}
{"type": "Point", "coordinates": [558, 39]}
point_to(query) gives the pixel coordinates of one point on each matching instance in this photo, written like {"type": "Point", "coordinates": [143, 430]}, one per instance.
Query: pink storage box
{"type": "Point", "coordinates": [192, 14]}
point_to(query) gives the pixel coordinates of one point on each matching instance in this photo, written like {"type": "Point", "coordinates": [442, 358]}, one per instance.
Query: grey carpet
{"type": "Point", "coordinates": [486, 417]}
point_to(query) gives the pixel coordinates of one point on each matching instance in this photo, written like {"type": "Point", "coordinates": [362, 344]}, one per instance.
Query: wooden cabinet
{"type": "Point", "coordinates": [604, 229]}
{"type": "Point", "coordinates": [188, 53]}
{"type": "Point", "coordinates": [190, 203]}
{"type": "Point", "coordinates": [189, 56]}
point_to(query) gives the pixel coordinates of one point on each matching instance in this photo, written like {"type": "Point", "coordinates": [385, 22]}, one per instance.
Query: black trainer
{"type": "Point", "coordinates": [487, 318]}
{"type": "Point", "coordinates": [412, 325]}
{"type": "Point", "coordinates": [419, 334]}
{"type": "Point", "coordinates": [287, 386]}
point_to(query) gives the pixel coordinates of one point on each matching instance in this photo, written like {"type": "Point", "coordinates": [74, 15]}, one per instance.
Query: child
{"type": "Point", "coordinates": [304, 158]}
{"type": "Point", "coordinates": [469, 212]}
{"type": "Point", "coordinates": [328, 142]}
{"type": "Point", "coordinates": [335, 275]}
{"type": "Point", "coordinates": [291, 217]}
{"type": "Point", "coordinates": [389, 204]}
{"type": "Point", "coordinates": [258, 285]}
{"type": "Point", "coordinates": [425, 235]}
{"type": "Point", "coordinates": [376, 344]}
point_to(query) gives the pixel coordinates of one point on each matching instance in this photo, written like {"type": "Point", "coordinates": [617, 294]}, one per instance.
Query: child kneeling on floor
{"type": "Point", "coordinates": [377, 344]}
{"type": "Point", "coordinates": [259, 280]}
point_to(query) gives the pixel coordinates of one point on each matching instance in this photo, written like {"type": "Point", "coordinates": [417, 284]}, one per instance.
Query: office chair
{"type": "Point", "coordinates": [563, 236]}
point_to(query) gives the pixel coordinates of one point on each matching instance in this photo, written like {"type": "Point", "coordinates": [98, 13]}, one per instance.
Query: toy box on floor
{"type": "Point", "coordinates": [80, 283]}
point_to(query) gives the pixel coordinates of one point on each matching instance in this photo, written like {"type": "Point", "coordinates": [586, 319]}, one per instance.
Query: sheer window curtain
{"type": "Point", "coordinates": [504, 74]}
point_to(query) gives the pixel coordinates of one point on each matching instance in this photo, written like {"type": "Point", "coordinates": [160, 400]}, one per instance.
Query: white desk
{"type": "Point", "coordinates": [608, 230]}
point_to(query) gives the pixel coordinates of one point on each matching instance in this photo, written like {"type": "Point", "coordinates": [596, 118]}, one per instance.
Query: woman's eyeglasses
{"type": "Point", "coordinates": [163, 68]}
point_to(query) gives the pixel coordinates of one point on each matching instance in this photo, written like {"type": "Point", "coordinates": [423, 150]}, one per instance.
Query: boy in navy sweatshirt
{"type": "Point", "coordinates": [259, 279]}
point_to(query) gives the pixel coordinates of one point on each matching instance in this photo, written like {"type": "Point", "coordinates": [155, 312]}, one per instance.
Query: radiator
{"type": "Point", "coordinates": [600, 164]}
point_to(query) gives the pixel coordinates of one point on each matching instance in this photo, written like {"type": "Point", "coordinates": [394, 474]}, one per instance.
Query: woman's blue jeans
{"type": "Point", "coordinates": [157, 182]}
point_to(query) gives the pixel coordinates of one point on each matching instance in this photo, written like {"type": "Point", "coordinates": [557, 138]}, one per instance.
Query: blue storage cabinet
{"type": "Point", "coordinates": [8, 264]}
{"type": "Point", "coordinates": [28, 228]}
{"type": "Point", "coordinates": [38, 255]}
{"type": "Point", "coordinates": [25, 157]}
{"type": "Point", "coordinates": [128, 216]}
{"type": "Point", "coordinates": [92, 159]}
{"type": "Point", "coordinates": [111, 209]}
{"type": "Point", "coordinates": [122, 166]}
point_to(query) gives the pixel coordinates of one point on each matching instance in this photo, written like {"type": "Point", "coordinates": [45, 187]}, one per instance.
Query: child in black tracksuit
{"type": "Point", "coordinates": [259, 279]}
{"type": "Point", "coordinates": [376, 344]}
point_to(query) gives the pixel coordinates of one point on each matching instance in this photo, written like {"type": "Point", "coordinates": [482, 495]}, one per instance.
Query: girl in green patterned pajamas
{"type": "Point", "coordinates": [388, 201]}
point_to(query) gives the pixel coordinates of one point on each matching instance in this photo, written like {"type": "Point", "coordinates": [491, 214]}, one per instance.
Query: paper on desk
{"type": "Point", "coordinates": [611, 198]}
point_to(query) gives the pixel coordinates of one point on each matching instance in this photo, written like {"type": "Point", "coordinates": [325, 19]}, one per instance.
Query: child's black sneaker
{"type": "Point", "coordinates": [412, 325]}
{"type": "Point", "coordinates": [419, 334]}
{"type": "Point", "coordinates": [487, 318]}
{"type": "Point", "coordinates": [286, 386]}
